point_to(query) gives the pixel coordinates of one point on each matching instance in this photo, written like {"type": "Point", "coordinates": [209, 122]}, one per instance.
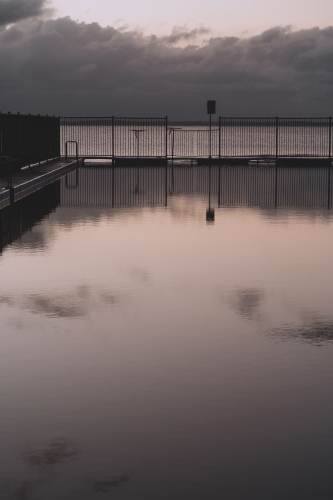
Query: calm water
{"type": "Point", "coordinates": [147, 354]}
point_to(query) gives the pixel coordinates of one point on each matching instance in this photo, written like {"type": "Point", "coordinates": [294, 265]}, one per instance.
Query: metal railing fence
{"type": "Point", "coordinates": [275, 137]}
{"type": "Point", "coordinates": [111, 137]}
{"type": "Point", "coordinates": [108, 137]}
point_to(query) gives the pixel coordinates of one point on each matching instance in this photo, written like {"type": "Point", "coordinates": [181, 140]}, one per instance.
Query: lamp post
{"type": "Point", "coordinates": [211, 110]}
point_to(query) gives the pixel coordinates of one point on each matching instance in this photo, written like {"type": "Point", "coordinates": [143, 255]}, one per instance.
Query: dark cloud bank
{"type": "Point", "coordinates": [64, 67]}
{"type": "Point", "coordinates": [15, 10]}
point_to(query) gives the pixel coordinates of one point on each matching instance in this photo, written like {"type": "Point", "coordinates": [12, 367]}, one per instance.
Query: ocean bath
{"type": "Point", "coordinates": [147, 353]}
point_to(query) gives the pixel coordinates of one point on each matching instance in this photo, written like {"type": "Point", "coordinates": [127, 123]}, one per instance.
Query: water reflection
{"type": "Point", "coordinates": [104, 486]}
{"type": "Point", "coordinates": [75, 303]}
{"type": "Point", "coordinates": [317, 333]}
{"type": "Point", "coordinates": [265, 187]}
{"type": "Point", "coordinates": [23, 215]}
{"type": "Point", "coordinates": [247, 302]}
{"type": "Point", "coordinates": [172, 357]}
{"type": "Point", "coordinates": [57, 452]}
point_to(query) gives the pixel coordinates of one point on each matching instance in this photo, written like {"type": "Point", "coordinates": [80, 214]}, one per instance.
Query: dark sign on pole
{"type": "Point", "coordinates": [211, 107]}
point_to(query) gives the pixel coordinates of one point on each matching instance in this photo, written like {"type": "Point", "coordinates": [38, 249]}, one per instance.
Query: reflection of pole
{"type": "Point", "coordinates": [172, 131]}
{"type": "Point", "coordinates": [166, 184]}
{"type": "Point", "coordinates": [210, 135]}
{"type": "Point", "coordinates": [219, 188]}
{"type": "Point", "coordinates": [113, 186]}
{"type": "Point", "coordinates": [276, 183]}
{"type": "Point", "coordinates": [172, 171]}
{"type": "Point", "coordinates": [210, 214]}
{"type": "Point", "coordinates": [329, 187]}
{"type": "Point", "coordinates": [209, 188]}
{"type": "Point", "coordinates": [276, 158]}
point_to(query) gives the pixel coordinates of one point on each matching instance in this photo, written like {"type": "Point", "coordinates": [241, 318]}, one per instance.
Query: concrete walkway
{"type": "Point", "coordinates": [29, 180]}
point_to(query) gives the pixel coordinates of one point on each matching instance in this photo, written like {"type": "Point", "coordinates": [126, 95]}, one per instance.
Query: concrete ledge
{"type": "Point", "coordinates": [142, 162]}
{"type": "Point", "coordinates": [4, 198]}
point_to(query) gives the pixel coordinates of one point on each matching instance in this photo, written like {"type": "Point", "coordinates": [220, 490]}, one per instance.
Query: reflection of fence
{"type": "Point", "coordinates": [233, 138]}
{"type": "Point", "coordinates": [266, 187]}
{"type": "Point", "coordinates": [20, 217]}
{"type": "Point", "coordinates": [29, 139]}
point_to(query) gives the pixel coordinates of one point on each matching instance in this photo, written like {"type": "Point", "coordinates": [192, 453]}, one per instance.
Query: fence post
{"type": "Point", "coordinates": [29, 125]}
{"type": "Point", "coordinates": [53, 136]}
{"type": "Point", "coordinates": [219, 139]}
{"type": "Point", "coordinates": [166, 138]}
{"type": "Point", "coordinates": [19, 134]}
{"type": "Point", "coordinates": [39, 139]}
{"type": "Point", "coordinates": [112, 139]}
{"type": "Point", "coordinates": [276, 138]}
{"type": "Point", "coordinates": [10, 136]}
{"type": "Point", "coordinates": [330, 139]}
{"type": "Point", "coordinates": [166, 161]}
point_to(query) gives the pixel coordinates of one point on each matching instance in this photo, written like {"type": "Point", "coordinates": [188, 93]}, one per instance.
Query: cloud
{"type": "Point", "coordinates": [12, 11]}
{"type": "Point", "coordinates": [317, 333]}
{"type": "Point", "coordinates": [61, 66]}
{"type": "Point", "coordinates": [247, 302]}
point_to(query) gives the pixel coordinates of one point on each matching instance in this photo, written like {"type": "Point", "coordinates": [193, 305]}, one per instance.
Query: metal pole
{"type": "Point", "coordinates": [330, 139]}
{"type": "Point", "coordinates": [329, 187]}
{"type": "Point", "coordinates": [47, 143]}
{"type": "Point", "coordinates": [219, 140]}
{"type": "Point", "coordinates": [39, 138]}
{"type": "Point", "coordinates": [10, 136]}
{"type": "Point", "coordinates": [276, 139]}
{"type": "Point", "coordinates": [219, 188]}
{"type": "Point", "coordinates": [166, 139]}
{"type": "Point", "coordinates": [112, 139]}
{"type": "Point", "coordinates": [113, 186]}
{"type": "Point", "coordinates": [329, 162]}
{"type": "Point", "coordinates": [19, 135]}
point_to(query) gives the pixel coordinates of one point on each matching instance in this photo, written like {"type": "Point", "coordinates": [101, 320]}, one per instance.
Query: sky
{"type": "Point", "coordinates": [154, 58]}
{"type": "Point", "coordinates": [223, 17]}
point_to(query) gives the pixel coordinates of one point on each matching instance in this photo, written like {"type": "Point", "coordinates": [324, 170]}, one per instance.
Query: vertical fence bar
{"type": "Point", "coordinates": [219, 140]}
{"type": "Point", "coordinates": [112, 138]}
{"type": "Point", "coordinates": [10, 136]}
{"type": "Point", "coordinates": [166, 139]}
{"type": "Point", "coordinates": [276, 138]}
{"type": "Point", "coordinates": [330, 138]}
{"type": "Point", "coordinates": [39, 139]}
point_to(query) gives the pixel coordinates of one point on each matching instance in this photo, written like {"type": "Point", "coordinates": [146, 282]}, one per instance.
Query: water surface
{"type": "Point", "coordinates": [146, 353]}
